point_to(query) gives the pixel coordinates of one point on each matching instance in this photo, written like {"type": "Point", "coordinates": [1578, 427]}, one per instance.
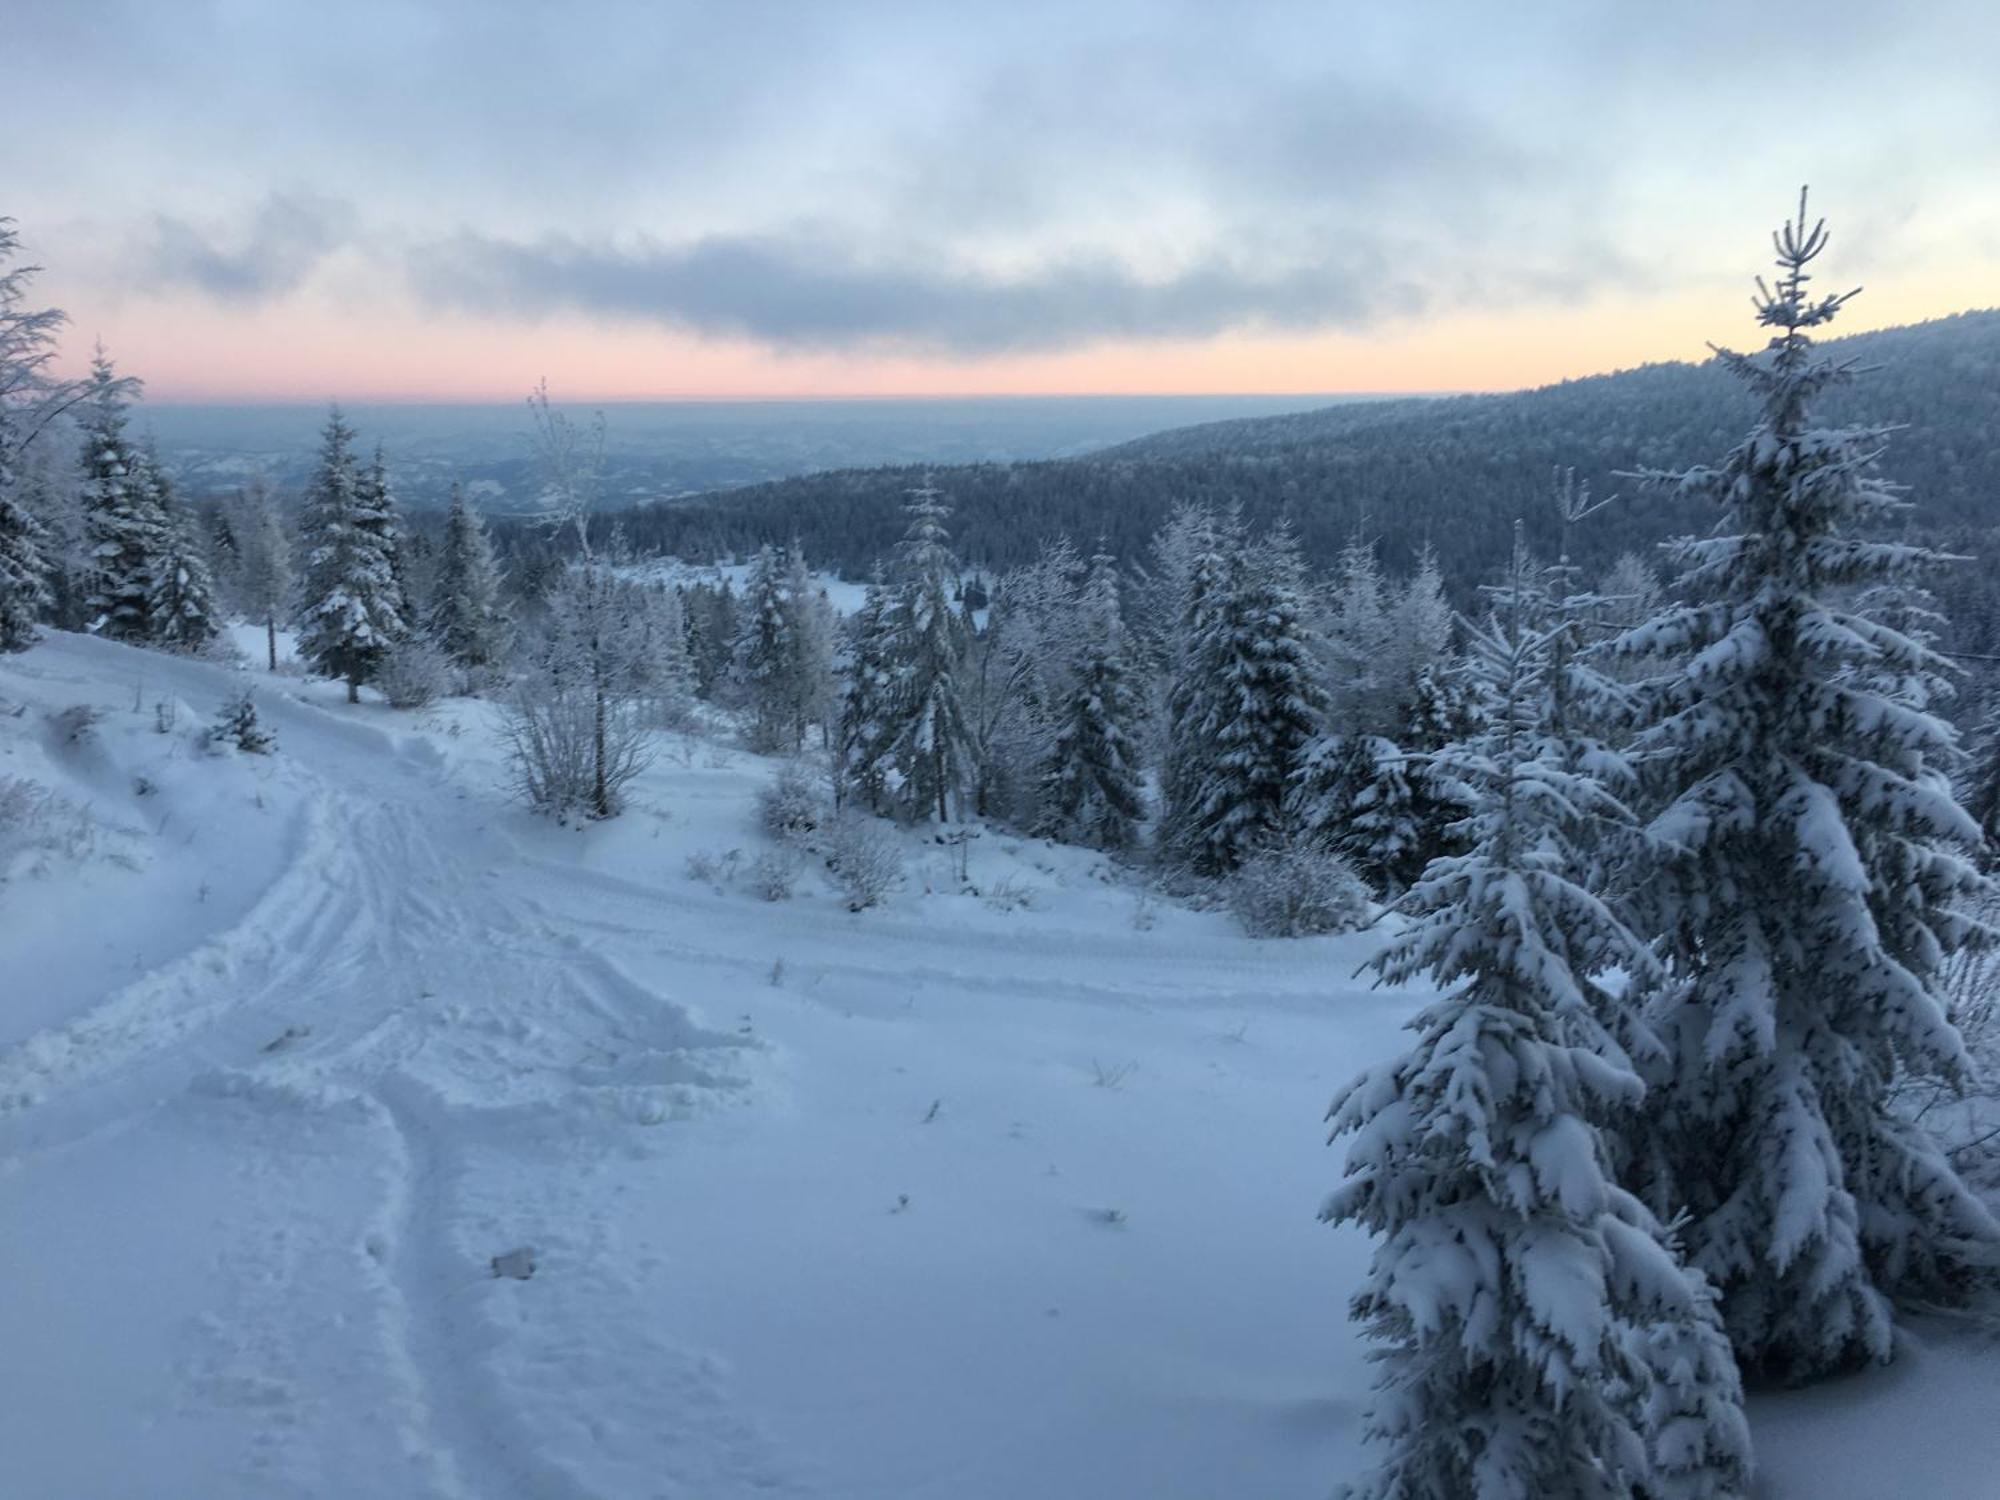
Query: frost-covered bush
{"type": "Point", "coordinates": [415, 674]}
{"type": "Point", "coordinates": [865, 860]}
{"type": "Point", "coordinates": [77, 724]}
{"type": "Point", "coordinates": [774, 874]}
{"type": "Point", "coordinates": [712, 868]}
{"type": "Point", "coordinates": [554, 728]}
{"type": "Point", "coordinates": [1297, 893]}
{"type": "Point", "coordinates": [239, 725]}
{"type": "Point", "coordinates": [792, 807]}
{"type": "Point", "coordinates": [36, 822]}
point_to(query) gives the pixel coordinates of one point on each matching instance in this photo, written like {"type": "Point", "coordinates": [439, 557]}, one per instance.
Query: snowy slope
{"type": "Point", "coordinates": [953, 1198]}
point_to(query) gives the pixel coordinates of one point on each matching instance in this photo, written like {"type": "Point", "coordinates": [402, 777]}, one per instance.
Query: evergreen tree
{"type": "Point", "coordinates": [810, 623]}
{"type": "Point", "coordinates": [126, 531]}
{"type": "Point", "coordinates": [28, 398]}
{"type": "Point", "coordinates": [669, 675]}
{"type": "Point", "coordinates": [765, 666]}
{"type": "Point", "coordinates": [182, 607]}
{"type": "Point", "coordinates": [1982, 781]}
{"type": "Point", "coordinates": [466, 619]}
{"type": "Point", "coordinates": [861, 746]}
{"type": "Point", "coordinates": [1090, 787]}
{"type": "Point", "coordinates": [1262, 708]}
{"type": "Point", "coordinates": [1017, 673]}
{"type": "Point", "coordinates": [350, 612]}
{"type": "Point", "coordinates": [929, 741]}
{"type": "Point", "coordinates": [264, 561]}
{"type": "Point", "coordinates": [1809, 883]}
{"type": "Point", "coordinates": [1201, 562]}
{"type": "Point", "coordinates": [24, 569]}
{"type": "Point", "coordinates": [1539, 1336]}
{"type": "Point", "coordinates": [1361, 646]}
{"type": "Point", "coordinates": [375, 513]}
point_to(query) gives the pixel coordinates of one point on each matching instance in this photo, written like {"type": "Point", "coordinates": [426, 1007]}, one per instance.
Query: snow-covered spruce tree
{"type": "Point", "coordinates": [1810, 881]}
{"type": "Point", "coordinates": [466, 620]}
{"type": "Point", "coordinates": [29, 398]}
{"type": "Point", "coordinates": [667, 676]}
{"type": "Point", "coordinates": [1539, 1337]}
{"type": "Point", "coordinates": [1981, 782]}
{"type": "Point", "coordinates": [1091, 784]}
{"type": "Point", "coordinates": [124, 527]}
{"type": "Point", "coordinates": [237, 724]}
{"type": "Point", "coordinates": [1363, 790]}
{"type": "Point", "coordinates": [1261, 710]}
{"type": "Point", "coordinates": [764, 653]}
{"type": "Point", "coordinates": [375, 513]}
{"type": "Point", "coordinates": [928, 740]}
{"type": "Point", "coordinates": [861, 740]}
{"type": "Point", "coordinates": [1584, 711]}
{"type": "Point", "coordinates": [1017, 671]}
{"type": "Point", "coordinates": [24, 569]}
{"type": "Point", "coordinates": [811, 624]}
{"type": "Point", "coordinates": [1203, 555]}
{"type": "Point", "coordinates": [182, 607]}
{"type": "Point", "coordinates": [263, 561]}
{"type": "Point", "coordinates": [350, 609]}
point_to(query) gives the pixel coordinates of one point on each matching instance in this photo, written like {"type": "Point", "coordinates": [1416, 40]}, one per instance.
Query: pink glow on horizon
{"type": "Point", "coordinates": [194, 351]}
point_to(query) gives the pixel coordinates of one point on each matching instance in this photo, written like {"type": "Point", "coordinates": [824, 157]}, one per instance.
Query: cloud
{"type": "Point", "coordinates": [286, 239]}
{"type": "Point", "coordinates": [806, 293]}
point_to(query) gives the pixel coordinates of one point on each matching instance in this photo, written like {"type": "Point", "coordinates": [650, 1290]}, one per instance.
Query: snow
{"type": "Point", "coordinates": [958, 1197]}
{"type": "Point", "coordinates": [844, 595]}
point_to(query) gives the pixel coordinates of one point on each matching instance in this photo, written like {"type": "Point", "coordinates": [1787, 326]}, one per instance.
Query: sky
{"type": "Point", "coordinates": [262, 200]}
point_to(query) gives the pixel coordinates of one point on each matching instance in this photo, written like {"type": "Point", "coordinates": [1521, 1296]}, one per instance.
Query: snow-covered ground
{"type": "Point", "coordinates": [844, 595]}
{"type": "Point", "coordinates": [956, 1198]}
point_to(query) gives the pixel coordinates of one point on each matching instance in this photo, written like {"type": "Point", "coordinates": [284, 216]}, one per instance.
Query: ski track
{"type": "Point", "coordinates": [317, 998]}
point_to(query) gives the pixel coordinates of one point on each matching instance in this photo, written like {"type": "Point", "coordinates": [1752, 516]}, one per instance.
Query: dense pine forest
{"type": "Point", "coordinates": [1452, 474]}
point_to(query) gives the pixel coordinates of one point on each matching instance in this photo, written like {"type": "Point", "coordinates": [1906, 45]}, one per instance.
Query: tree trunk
{"type": "Point", "coordinates": [599, 791]}
{"type": "Point", "coordinates": [271, 638]}
{"type": "Point", "coordinates": [354, 690]}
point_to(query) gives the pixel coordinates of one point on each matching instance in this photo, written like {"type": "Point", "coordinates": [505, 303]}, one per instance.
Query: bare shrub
{"type": "Point", "coordinates": [792, 807]}
{"type": "Point", "coordinates": [415, 674]}
{"type": "Point", "coordinates": [569, 753]}
{"type": "Point", "coordinates": [77, 724]}
{"type": "Point", "coordinates": [36, 823]}
{"type": "Point", "coordinates": [1010, 894]}
{"type": "Point", "coordinates": [865, 859]}
{"type": "Point", "coordinates": [710, 868]}
{"type": "Point", "coordinates": [1297, 893]}
{"type": "Point", "coordinates": [774, 874]}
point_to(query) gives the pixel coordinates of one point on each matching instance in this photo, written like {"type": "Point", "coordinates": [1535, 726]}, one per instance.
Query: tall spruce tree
{"type": "Point", "coordinates": [928, 738]}
{"type": "Point", "coordinates": [124, 527]}
{"type": "Point", "coordinates": [1261, 709]}
{"type": "Point", "coordinates": [1810, 880]}
{"type": "Point", "coordinates": [1091, 784]}
{"type": "Point", "coordinates": [350, 606]}
{"type": "Point", "coordinates": [861, 742]}
{"type": "Point", "coordinates": [28, 398]}
{"type": "Point", "coordinates": [1201, 560]}
{"type": "Point", "coordinates": [182, 607]}
{"type": "Point", "coordinates": [24, 569]}
{"type": "Point", "coordinates": [810, 625]}
{"type": "Point", "coordinates": [1539, 1336]}
{"type": "Point", "coordinates": [466, 620]}
{"type": "Point", "coordinates": [765, 667]}
{"type": "Point", "coordinates": [375, 512]}
{"type": "Point", "coordinates": [263, 562]}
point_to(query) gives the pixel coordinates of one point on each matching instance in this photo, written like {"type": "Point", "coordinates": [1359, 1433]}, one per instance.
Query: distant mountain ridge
{"type": "Point", "coordinates": [1449, 472]}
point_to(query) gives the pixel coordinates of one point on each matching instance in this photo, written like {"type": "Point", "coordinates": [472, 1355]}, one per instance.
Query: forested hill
{"type": "Point", "coordinates": [1454, 472]}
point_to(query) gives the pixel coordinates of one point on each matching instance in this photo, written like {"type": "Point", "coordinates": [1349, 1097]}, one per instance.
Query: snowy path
{"type": "Point", "coordinates": [939, 1201]}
